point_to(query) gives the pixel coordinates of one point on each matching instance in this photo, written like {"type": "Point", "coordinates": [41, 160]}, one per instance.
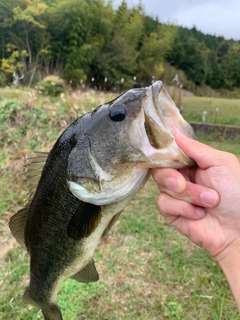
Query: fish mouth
{"type": "Point", "coordinates": [151, 132]}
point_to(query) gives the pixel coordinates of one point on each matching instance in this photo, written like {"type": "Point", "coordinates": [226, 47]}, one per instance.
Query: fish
{"type": "Point", "coordinates": [79, 189]}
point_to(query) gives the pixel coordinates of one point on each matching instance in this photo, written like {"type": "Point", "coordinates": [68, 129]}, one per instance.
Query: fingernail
{"type": "Point", "coordinates": [209, 197]}
{"type": "Point", "coordinates": [173, 184]}
{"type": "Point", "coordinates": [200, 212]}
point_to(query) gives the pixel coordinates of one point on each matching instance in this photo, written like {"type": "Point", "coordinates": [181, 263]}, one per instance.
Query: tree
{"type": "Point", "coordinates": [194, 61]}
{"type": "Point", "coordinates": [28, 13]}
{"type": "Point", "coordinates": [154, 49]}
{"type": "Point", "coordinates": [222, 49]}
{"type": "Point", "coordinates": [214, 77]}
{"type": "Point", "coordinates": [231, 67]}
{"type": "Point", "coordinates": [21, 29]}
{"type": "Point", "coordinates": [118, 56]}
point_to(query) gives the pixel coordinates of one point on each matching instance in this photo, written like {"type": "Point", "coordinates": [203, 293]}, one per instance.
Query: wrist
{"type": "Point", "coordinates": [230, 256]}
{"type": "Point", "coordinates": [229, 260]}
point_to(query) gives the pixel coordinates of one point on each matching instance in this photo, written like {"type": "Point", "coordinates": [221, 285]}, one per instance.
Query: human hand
{"type": "Point", "coordinates": [203, 202]}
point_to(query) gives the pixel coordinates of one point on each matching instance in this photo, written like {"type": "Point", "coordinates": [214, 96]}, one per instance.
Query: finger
{"type": "Point", "coordinates": [171, 208]}
{"type": "Point", "coordinates": [195, 194]}
{"type": "Point", "coordinates": [170, 179]}
{"type": "Point", "coordinates": [189, 220]}
{"type": "Point", "coordinates": [204, 155]}
{"type": "Point", "coordinates": [174, 183]}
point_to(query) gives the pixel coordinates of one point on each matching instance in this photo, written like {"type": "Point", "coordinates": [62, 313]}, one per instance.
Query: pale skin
{"type": "Point", "coordinates": [203, 203]}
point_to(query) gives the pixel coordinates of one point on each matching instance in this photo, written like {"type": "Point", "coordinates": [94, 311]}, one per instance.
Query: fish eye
{"type": "Point", "coordinates": [117, 113]}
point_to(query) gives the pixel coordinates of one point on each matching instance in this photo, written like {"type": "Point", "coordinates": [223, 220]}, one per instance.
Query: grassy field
{"type": "Point", "coordinates": [147, 269]}
{"type": "Point", "coordinates": [228, 110]}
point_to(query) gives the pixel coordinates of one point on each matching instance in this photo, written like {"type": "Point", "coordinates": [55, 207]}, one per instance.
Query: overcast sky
{"type": "Point", "coordinates": [217, 17]}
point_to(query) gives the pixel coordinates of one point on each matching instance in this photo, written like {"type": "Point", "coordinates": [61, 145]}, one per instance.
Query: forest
{"type": "Point", "coordinates": [92, 41]}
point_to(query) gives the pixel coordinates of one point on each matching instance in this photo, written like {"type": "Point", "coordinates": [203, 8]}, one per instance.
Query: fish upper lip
{"type": "Point", "coordinates": [153, 113]}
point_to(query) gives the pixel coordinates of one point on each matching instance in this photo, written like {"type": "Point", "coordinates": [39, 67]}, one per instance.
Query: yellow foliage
{"type": "Point", "coordinates": [235, 48]}
{"type": "Point", "coordinates": [33, 9]}
{"type": "Point", "coordinates": [10, 47]}
{"type": "Point", "coordinates": [5, 64]}
{"type": "Point", "coordinates": [44, 52]}
{"type": "Point", "coordinates": [24, 53]}
{"type": "Point", "coordinates": [12, 63]}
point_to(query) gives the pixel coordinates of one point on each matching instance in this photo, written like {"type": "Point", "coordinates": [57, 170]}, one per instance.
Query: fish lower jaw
{"type": "Point", "coordinates": [114, 192]}
{"type": "Point", "coordinates": [163, 163]}
{"type": "Point", "coordinates": [170, 156]}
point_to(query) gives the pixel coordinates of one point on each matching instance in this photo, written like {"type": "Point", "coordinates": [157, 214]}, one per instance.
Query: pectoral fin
{"type": "Point", "coordinates": [87, 274]}
{"type": "Point", "coordinates": [84, 221]}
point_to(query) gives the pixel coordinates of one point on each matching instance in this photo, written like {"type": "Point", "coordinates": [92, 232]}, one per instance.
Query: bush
{"type": "Point", "coordinates": [50, 86]}
{"type": "Point", "coordinates": [75, 76]}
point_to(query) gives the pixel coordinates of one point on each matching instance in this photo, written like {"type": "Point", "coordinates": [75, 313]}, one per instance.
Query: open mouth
{"type": "Point", "coordinates": [153, 129]}
{"type": "Point", "coordinates": [159, 135]}
{"type": "Point", "coordinates": [168, 112]}
{"type": "Point", "coordinates": [157, 138]}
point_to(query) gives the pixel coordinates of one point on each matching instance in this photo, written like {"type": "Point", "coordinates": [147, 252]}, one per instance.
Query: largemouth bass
{"type": "Point", "coordinates": [79, 189]}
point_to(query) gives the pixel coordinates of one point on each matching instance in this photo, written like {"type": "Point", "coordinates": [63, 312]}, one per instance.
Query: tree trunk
{"type": "Point", "coordinates": [33, 73]}
{"type": "Point", "coordinates": [28, 46]}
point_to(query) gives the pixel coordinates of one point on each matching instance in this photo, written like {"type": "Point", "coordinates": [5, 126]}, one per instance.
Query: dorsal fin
{"type": "Point", "coordinates": [33, 173]}
{"type": "Point", "coordinates": [34, 170]}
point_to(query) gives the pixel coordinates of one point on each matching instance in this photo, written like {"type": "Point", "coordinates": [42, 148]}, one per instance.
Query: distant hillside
{"type": "Point", "coordinates": [206, 59]}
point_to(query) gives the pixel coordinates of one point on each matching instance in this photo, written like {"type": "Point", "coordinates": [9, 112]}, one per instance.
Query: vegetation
{"type": "Point", "coordinates": [147, 269]}
{"type": "Point", "coordinates": [90, 41]}
{"type": "Point", "coordinates": [219, 110]}
{"type": "Point", "coordinates": [50, 86]}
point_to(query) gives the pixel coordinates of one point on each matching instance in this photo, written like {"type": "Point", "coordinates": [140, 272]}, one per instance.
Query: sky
{"type": "Point", "coordinates": [216, 17]}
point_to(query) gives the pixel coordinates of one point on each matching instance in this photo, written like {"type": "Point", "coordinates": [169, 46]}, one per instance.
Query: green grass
{"type": "Point", "coordinates": [228, 110]}
{"type": "Point", "coordinates": [232, 147]}
{"type": "Point", "coordinates": [147, 269]}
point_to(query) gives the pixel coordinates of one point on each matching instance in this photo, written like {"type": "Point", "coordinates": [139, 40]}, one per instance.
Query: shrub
{"type": "Point", "coordinates": [50, 86]}
{"type": "Point", "coordinates": [75, 76]}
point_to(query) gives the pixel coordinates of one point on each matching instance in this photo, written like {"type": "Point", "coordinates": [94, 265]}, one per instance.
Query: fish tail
{"type": "Point", "coordinates": [50, 311]}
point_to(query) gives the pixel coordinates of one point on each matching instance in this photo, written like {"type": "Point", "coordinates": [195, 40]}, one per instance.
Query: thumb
{"type": "Point", "coordinates": [204, 155]}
